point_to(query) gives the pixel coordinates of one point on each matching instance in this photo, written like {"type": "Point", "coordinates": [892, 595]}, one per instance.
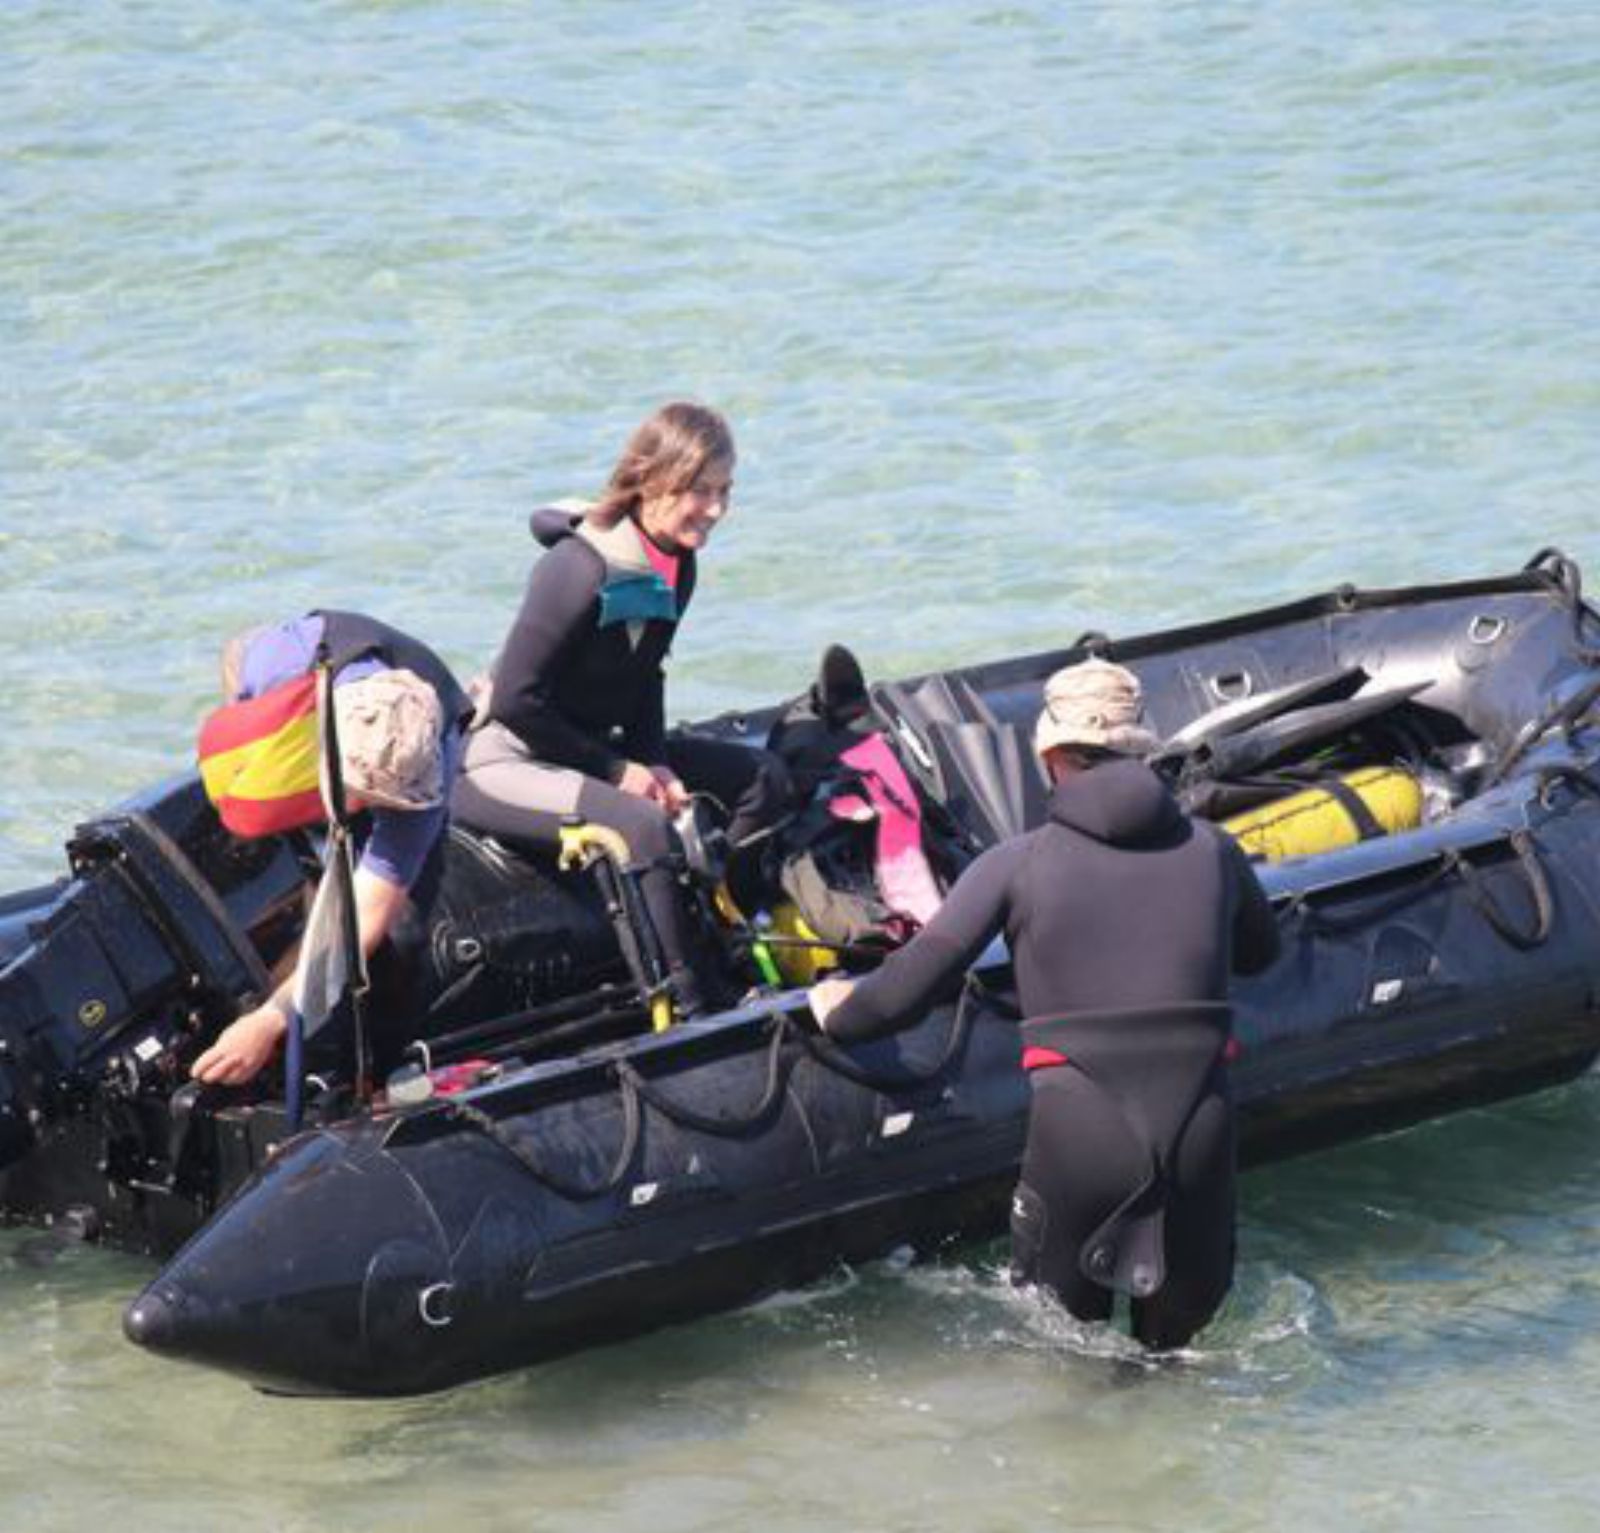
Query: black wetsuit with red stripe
{"type": "Point", "coordinates": [1119, 901]}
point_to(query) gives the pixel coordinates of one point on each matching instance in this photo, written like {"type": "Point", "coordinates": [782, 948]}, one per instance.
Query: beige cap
{"type": "Point", "coordinates": [1093, 703]}
{"type": "Point", "coordinates": [389, 728]}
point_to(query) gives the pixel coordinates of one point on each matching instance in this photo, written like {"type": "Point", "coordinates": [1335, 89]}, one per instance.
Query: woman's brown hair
{"type": "Point", "coordinates": [664, 456]}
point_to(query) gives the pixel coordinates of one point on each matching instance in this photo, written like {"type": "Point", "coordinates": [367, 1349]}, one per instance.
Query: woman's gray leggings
{"type": "Point", "coordinates": [504, 791]}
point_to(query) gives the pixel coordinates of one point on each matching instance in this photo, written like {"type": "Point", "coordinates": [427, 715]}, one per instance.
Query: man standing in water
{"type": "Point", "coordinates": [1124, 918]}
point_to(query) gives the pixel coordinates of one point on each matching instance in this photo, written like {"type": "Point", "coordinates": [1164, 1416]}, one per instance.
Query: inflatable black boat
{"type": "Point", "coordinates": [548, 1171]}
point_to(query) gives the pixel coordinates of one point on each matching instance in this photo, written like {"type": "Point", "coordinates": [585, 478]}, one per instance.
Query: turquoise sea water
{"type": "Point", "coordinates": [1030, 318]}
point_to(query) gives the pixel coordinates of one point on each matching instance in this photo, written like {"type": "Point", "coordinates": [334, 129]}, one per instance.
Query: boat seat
{"type": "Point", "coordinates": [510, 855]}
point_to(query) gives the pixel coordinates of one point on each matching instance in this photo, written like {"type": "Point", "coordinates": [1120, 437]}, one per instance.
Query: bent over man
{"type": "Point", "coordinates": [1124, 919]}
{"type": "Point", "coordinates": [401, 721]}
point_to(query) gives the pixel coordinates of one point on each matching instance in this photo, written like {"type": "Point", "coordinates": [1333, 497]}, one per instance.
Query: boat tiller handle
{"type": "Point", "coordinates": [583, 842]}
{"type": "Point", "coordinates": [605, 851]}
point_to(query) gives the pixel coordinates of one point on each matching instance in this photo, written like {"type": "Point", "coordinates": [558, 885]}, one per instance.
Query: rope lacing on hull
{"type": "Point", "coordinates": [636, 1092]}
{"type": "Point", "coordinates": [574, 1192]}
{"type": "Point", "coordinates": [1452, 863]}
{"type": "Point", "coordinates": [831, 1057]}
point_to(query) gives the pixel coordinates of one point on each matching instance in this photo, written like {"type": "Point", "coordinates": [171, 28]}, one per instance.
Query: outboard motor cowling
{"type": "Point", "coordinates": [120, 963]}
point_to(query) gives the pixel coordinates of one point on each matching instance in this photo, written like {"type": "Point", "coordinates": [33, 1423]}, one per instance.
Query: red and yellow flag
{"type": "Point", "coordinates": [258, 760]}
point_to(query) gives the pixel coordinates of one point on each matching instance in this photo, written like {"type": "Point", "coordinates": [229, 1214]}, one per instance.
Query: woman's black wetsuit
{"type": "Point", "coordinates": [1119, 902]}
{"type": "Point", "coordinates": [578, 693]}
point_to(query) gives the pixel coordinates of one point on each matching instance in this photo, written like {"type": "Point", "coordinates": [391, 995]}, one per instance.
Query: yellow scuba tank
{"type": "Point", "coordinates": [1359, 805]}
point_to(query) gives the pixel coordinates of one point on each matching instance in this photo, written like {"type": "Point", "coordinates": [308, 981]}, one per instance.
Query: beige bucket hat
{"type": "Point", "coordinates": [1094, 703]}
{"type": "Point", "coordinates": [389, 728]}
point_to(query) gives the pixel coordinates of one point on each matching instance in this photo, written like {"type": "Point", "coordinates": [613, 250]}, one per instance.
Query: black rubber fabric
{"type": "Point", "coordinates": [1081, 1160]}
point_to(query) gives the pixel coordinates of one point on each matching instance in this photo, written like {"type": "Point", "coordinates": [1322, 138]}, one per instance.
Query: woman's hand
{"type": "Point", "coordinates": [640, 781]}
{"type": "Point", "coordinates": [674, 796]}
{"type": "Point", "coordinates": [660, 784]}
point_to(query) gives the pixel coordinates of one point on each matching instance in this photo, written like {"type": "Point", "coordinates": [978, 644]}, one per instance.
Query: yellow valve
{"type": "Point", "coordinates": [722, 901]}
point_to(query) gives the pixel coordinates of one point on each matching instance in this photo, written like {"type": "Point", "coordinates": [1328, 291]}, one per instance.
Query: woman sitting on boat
{"type": "Point", "coordinates": [401, 718]}
{"type": "Point", "coordinates": [575, 720]}
{"type": "Point", "coordinates": [1124, 918]}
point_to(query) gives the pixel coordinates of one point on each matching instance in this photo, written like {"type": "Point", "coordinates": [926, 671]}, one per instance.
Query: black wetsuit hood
{"type": "Point", "coordinates": [1119, 803]}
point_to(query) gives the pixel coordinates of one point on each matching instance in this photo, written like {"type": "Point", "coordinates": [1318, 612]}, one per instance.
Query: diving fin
{"type": "Point", "coordinates": [840, 692]}
{"type": "Point", "coordinates": [1266, 742]}
{"type": "Point", "coordinates": [996, 787]}
{"type": "Point", "coordinates": [1235, 717]}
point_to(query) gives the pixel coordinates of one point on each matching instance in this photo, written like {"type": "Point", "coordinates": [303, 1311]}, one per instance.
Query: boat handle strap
{"type": "Point", "coordinates": [1452, 862]}
{"type": "Point", "coordinates": [1324, 922]}
{"type": "Point", "coordinates": [1488, 907]}
{"type": "Point", "coordinates": [832, 1057]}
{"type": "Point", "coordinates": [1564, 575]}
{"type": "Point", "coordinates": [573, 1192]}
{"type": "Point", "coordinates": [718, 1125]}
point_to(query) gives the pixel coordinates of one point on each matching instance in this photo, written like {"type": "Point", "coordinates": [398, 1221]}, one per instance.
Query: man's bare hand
{"type": "Point", "coordinates": [827, 996]}
{"type": "Point", "coordinates": [244, 1049]}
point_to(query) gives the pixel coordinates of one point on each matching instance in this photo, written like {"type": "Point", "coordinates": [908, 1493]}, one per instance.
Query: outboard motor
{"type": "Point", "coordinates": [106, 973]}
